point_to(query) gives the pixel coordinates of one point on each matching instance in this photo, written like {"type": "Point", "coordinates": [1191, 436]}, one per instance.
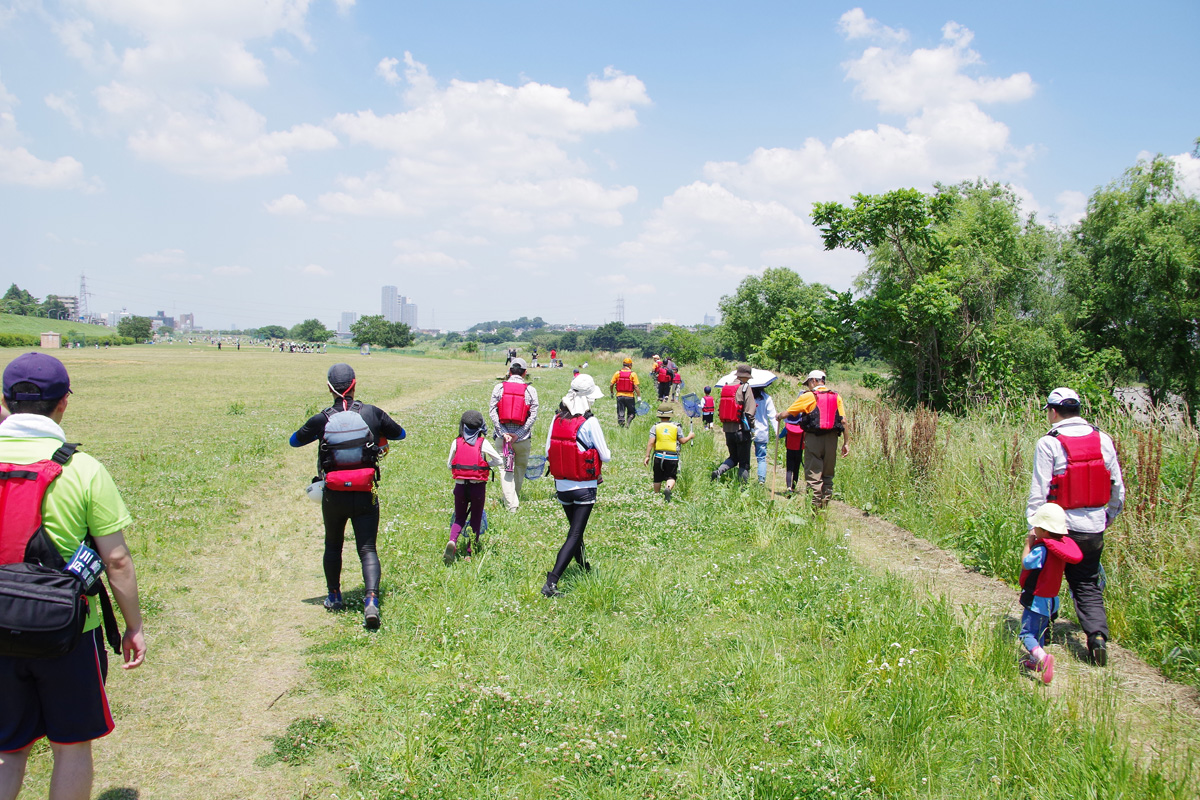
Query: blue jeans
{"type": "Point", "coordinates": [1033, 629]}
{"type": "Point", "coordinates": [760, 452]}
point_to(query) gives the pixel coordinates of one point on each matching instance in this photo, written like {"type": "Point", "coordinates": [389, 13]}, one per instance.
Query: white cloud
{"type": "Point", "coordinates": [1072, 207]}
{"type": "Point", "coordinates": [344, 6]}
{"type": "Point", "coordinates": [223, 138]}
{"type": "Point", "coordinates": [119, 98]}
{"type": "Point", "coordinates": [7, 98]}
{"type": "Point", "coordinates": [430, 259]}
{"type": "Point", "coordinates": [287, 204]}
{"type": "Point", "coordinates": [231, 271]}
{"type": "Point", "coordinates": [65, 105]}
{"type": "Point", "coordinates": [169, 256]}
{"type": "Point", "coordinates": [750, 214]}
{"type": "Point", "coordinates": [19, 166]}
{"type": "Point", "coordinates": [905, 82]}
{"type": "Point", "coordinates": [495, 155]}
{"type": "Point", "coordinates": [855, 24]}
{"type": "Point", "coordinates": [315, 269]}
{"type": "Point", "coordinates": [386, 69]}
{"type": "Point", "coordinates": [1189, 173]}
{"type": "Point", "coordinates": [552, 249]}
{"type": "Point", "coordinates": [77, 36]}
{"type": "Point", "coordinates": [284, 56]}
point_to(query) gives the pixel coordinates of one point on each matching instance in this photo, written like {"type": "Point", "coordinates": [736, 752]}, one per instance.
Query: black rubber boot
{"type": "Point", "coordinates": [1098, 649]}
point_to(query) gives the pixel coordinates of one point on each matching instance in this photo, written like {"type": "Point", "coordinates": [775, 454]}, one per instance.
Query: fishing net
{"type": "Point", "coordinates": [535, 468]}
{"type": "Point", "coordinates": [691, 404]}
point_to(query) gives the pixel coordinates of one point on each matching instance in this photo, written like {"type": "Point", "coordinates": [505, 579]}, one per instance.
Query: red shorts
{"type": "Point", "coordinates": [60, 698]}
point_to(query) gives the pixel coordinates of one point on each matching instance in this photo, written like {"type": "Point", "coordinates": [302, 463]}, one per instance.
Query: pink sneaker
{"type": "Point", "coordinates": [1047, 669]}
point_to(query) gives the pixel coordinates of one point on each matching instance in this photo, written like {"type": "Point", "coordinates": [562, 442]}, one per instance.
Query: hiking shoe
{"type": "Point", "coordinates": [714, 475]}
{"type": "Point", "coordinates": [550, 589]}
{"type": "Point", "coordinates": [371, 612]}
{"type": "Point", "coordinates": [666, 495]}
{"type": "Point", "coordinates": [1098, 649]}
{"type": "Point", "coordinates": [450, 554]}
{"type": "Point", "coordinates": [334, 602]}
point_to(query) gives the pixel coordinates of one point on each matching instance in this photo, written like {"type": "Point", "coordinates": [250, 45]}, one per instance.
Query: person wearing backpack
{"type": "Point", "coordinates": [736, 411]}
{"type": "Point", "coordinates": [514, 410]}
{"type": "Point", "coordinates": [822, 417]}
{"type": "Point", "coordinates": [624, 385]}
{"type": "Point", "coordinates": [575, 450]}
{"type": "Point", "coordinates": [471, 460]}
{"type": "Point", "coordinates": [353, 437]}
{"type": "Point", "coordinates": [58, 697]}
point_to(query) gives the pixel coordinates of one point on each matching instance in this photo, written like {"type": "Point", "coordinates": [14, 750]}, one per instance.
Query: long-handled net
{"type": "Point", "coordinates": [691, 404]}
{"type": "Point", "coordinates": [535, 467]}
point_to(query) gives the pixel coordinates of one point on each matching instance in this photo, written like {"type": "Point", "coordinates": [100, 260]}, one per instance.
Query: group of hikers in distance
{"type": "Point", "coordinates": [63, 519]}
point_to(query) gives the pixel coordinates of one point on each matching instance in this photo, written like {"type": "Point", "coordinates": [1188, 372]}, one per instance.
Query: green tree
{"type": "Point", "coordinates": [136, 328]}
{"type": "Point", "coordinates": [398, 335]}
{"type": "Point", "coordinates": [950, 294]}
{"type": "Point", "coordinates": [470, 346]}
{"type": "Point", "coordinates": [608, 336]}
{"type": "Point", "coordinates": [1138, 278]}
{"type": "Point", "coordinates": [818, 335]}
{"type": "Point", "coordinates": [272, 332]}
{"type": "Point", "coordinates": [18, 301]}
{"type": "Point", "coordinates": [682, 345]}
{"type": "Point", "coordinates": [751, 311]}
{"type": "Point", "coordinates": [310, 330]}
{"type": "Point", "coordinates": [53, 308]}
{"type": "Point", "coordinates": [375, 330]}
{"type": "Point", "coordinates": [451, 338]}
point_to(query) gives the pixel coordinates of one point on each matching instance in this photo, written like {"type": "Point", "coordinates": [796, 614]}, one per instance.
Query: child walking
{"type": "Point", "coordinates": [471, 458]}
{"type": "Point", "coordinates": [1047, 552]}
{"type": "Point", "coordinates": [666, 440]}
{"type": "Point", "coordinates": [793, 442]}
{"type": "Point", "coordinates": [708, 405]}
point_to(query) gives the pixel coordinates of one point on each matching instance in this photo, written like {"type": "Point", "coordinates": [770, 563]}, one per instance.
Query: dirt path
{"type": "Point", "coordinates": [234, 643]}
{"type": "Point", "coordinates": [1156, 711]}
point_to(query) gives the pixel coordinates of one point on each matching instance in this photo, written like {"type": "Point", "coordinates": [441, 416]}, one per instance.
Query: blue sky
{"type": "Point", "coordinates": [263, 163]}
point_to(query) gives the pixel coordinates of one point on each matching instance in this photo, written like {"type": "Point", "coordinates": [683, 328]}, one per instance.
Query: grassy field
{"type": "Point", "coordinates": [725, 646]}
{"type": "Point", "coordinates": [15, 323]}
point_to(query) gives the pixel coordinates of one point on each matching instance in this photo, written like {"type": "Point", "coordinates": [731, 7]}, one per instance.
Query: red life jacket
{"type": "Point", "coordinates": [730, 409]}
{"type": "Point", "coordinates": [625, 380]}
{"type": "Point", "coordinates": [678, 378]}
{"type": "Point", "coordinates": [22, 489]}
{"type": "Point", "coordinates": [795, 435]}
{"type": "Point", "coordinates": [512, 408]}
{"type": "Point", "coordinates": [708, 405]}
{"type": "Point", "coordinates": [469, 463]}
{"type": "Point", "coordinates": [566, 462]}
{"type": "Point", "coordinates": [664, 375]}
{"type": "Point", "coordinates": [1086, 483]}
{"type": "Point", "coordinates": [824, 417]}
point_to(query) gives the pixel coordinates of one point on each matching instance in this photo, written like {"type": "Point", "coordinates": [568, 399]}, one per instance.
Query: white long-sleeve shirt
{"type": "Point", "coordinates": [1050, 459]}
{"type": "Point", "coordinates": [522, 432]}
{"type": "Point", "coordinates": [490, 455]}
{"type": "Point", "coordinates": [764, 420]}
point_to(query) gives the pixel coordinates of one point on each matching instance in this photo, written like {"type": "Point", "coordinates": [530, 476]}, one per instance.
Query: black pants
{"type": "Point", "coordinates": [626, 410]}
{"type": "Point", "coordinates": [577, 505]}
{"type": "Point", "coordinates": [664, 391]}
{"type": "Point", "coordinates": [1084, 580]}
{"type": "Point", "coordinates": [739, 454]}
{"type": "Point", "coordinates": [795, 463]}
{"type": "Point", "coordinates": [361, 509]}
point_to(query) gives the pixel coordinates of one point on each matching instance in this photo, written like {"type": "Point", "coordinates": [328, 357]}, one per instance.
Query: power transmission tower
{"type": "Point", "coordinates": [620, 314]}
{"type": "Point", "coordinates": [81, 307]}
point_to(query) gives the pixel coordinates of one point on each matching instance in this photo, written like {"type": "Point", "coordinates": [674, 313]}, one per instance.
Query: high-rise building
{"type": "Point", "coordinates": [348, 319]}
{"type": "Point", "coordinates": [408, 314]}
{"type": "Point", "coordinates": [186, 322]}
{"type": "Point", "coordinates": [390, 304]}
{"type": "Point", "coordinates": [710, 319]}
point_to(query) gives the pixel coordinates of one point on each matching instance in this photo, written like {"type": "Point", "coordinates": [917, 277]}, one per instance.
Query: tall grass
{"type": "Point", "coordinates": [962, 482]}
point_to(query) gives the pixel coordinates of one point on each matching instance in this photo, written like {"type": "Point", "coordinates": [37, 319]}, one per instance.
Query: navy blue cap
{"type": "Point", "coordinates": [43, 371]}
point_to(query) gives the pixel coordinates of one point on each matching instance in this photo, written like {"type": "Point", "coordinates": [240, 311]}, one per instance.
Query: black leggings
{"type": "Point", "coordinates": [577, 519]}
{"type": "Point", "coordinates": [361, 509]}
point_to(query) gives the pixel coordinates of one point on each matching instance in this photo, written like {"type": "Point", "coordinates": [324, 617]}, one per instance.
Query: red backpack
{"type": "Point", "coordinates": [512, 408]}
{"type": "Point", "coordinates": [730, 409]}
{"type": "Point", "coordinates": [43, 606]}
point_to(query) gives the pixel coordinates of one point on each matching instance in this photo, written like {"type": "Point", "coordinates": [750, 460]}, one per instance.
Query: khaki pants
{"type": "Point", "coordinates": [820, 459]}
{"type": "Point", "coordinates": [510, 482]}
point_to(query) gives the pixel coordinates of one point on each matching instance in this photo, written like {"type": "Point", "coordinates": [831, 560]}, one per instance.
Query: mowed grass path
{"type": "Point", "coordinates": [723, 646]}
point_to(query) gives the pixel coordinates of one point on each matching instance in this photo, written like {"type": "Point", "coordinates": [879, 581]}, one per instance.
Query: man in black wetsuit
{"type": "Point", "coordinates": [359, 506]}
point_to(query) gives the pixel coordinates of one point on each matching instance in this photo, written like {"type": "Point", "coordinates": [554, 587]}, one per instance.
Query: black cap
{"type": "Point", "coordinates": [341, 376]}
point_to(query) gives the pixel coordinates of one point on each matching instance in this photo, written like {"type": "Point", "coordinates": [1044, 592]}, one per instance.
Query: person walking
{"type": "Point", "coordinates": [575, 450]}
{"type": "Point", "coordinates": [61, 698]}
{"type": "Point", "coordinates": [353, 437]}
{"type": "Point", "coordinates": [736, 411]}
{"type": "Point", "coordinates": [514, 410]}
{"type": "Point", "coordinates": [625, 387]}
{"type": "Point", "coordinates": [766, 427]}
{"type": "Point", "coordinates": [666, 442]}
{"type": "Point", "coordinates": [1046, 555]}
{"type": "Point", "coordinates": [470, 461]}
{"type": "Point", "coordinates": [1075, 466]}
{"type": "Point", "coordinates": [822, 418]}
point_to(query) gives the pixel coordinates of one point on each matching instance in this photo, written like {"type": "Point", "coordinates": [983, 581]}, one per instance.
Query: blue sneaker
{"type": "Point", "coordinates": [334, 602]}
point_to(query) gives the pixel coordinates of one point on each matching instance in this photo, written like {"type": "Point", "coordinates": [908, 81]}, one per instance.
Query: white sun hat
{"type": "Point", "coordinates": [583, 391]}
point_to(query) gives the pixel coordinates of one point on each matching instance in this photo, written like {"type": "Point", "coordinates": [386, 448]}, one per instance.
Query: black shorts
{"type": "Point", "coordinates": [665, 469]}
{"type": "Point", "coordinates": [706, 419]}
{"type": "Point", "coordinates": [60, 698]}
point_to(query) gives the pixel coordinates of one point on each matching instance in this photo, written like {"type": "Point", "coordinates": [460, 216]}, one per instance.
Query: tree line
{"type": "Point", "coordinates": [20, 302]}
{"type": "Point", "coordinates": [969, 301]}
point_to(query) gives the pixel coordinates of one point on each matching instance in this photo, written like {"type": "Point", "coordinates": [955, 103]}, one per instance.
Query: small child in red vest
{"type": "Point", "coordinates": [1041, 580]}
{"type": "Point", "coordinates": [471, 458]}
{"type": "Point", "coordinates": [793, 442]}
{"type": "Point", "coordinates": [707, 407]}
